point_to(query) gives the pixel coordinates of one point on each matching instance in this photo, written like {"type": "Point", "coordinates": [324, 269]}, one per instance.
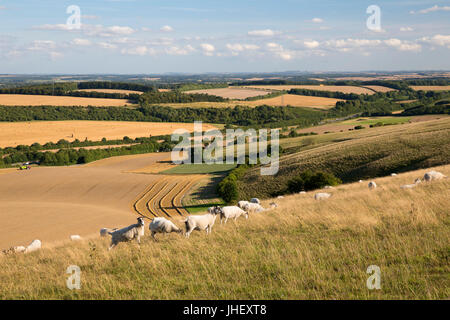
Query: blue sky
{"type": "Point", "coordinates": [197, 36]}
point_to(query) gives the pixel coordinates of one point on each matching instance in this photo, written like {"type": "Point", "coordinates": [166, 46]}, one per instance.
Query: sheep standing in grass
{"type": "Point", "coordinates": [105, 231]}
{"type": "Point", "coordinates": [255, 200]}
{"type": "Point", "coordinates": [273, 205]}
{"type": "Point", "coordinates": [242, 203]}
{"type": "Point", "coordinates": [129, 233]}
{"type": "Point", "coordinates": [433, 175]}
{"type": "Point", "coordinates": [162, 225]}
{"type": "Point", "coordinates": [201, 222]}
{"type": "Point", "coordinates": [75, 237]}
{"type": "Point", "coordinates": [34, 245]}
{"type": "Point", "coordinates": [231, 212]}
{"type": "Point", "coordinates": [322, 196]}
{"type": "Point", "coordinates": [393, 174]}
{"type": "Point", "coordinates": [372, 185]}
{"type": "Point", "coordinates": [253, 207]}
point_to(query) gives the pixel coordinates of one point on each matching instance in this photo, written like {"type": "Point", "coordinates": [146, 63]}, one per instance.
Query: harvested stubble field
{"type": "Point", "coordinates": [431, 88]}
{"type": "Point", "coordinates": [295, 101]}
{"type": "Point", "coordinates": [343, 89]}
{"type": "Point", "coordinates": [232, 92]}
{"type": "Point", "coordinates": [305, 249]}
{"type": "Point", "coordinates": [36, 100]}
{"type": "Point", "coordinates": [111, 91]}
{"type": "Point", "coordinates": [27, 133]}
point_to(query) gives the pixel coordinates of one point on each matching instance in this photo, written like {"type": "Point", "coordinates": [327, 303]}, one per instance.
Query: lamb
{"type": "Point", "coordinates": [410, 186]}
{"type": "Point", "coordinates": [372, 185]}
{"type": "Point", "coordinates": [202, 222]}
{"type": "Point", "coordinates": [129, 233]}
{"type": "Point", "coordinates": [34, 245]}
{"type": "Point", "coordinates": [105, 231]}
{"type": "Point", "coordinates": [75, 237]}
{"type": "Point", "coordinates": [255, 200]}
{"type": "Point", "coordinates": [162, 225]}
{"type": "Point", "coordinates": [253, 207]}
{"type": "Point", "coordinates": [242, 203]}
{"type": "Point", "coordinates": [232, 212]}
{"type": "Point", "coordinates": [433, 175]}
{"type": "Point", "coordinates": [322, 196]}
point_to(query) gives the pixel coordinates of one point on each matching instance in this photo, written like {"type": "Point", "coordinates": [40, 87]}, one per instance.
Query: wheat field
{"type": "Point", "coordinates": [305, 249]}
{"type": "Point", "coordinates": [37, 100]}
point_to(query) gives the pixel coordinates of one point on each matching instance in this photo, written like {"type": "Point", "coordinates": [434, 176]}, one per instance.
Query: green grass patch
{"type": "Point", "coordinates": [201, 208]}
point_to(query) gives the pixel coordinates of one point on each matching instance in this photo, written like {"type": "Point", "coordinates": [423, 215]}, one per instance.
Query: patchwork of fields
{"type": "Point", "coordinates": [37, 100]}
{"type": "Point", "coordinates": [343, 89]}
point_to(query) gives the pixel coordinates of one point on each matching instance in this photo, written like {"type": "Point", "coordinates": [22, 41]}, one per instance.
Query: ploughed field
{"type": "Point", "coordinates": [38, 100]}
{"type": "Point", "coordinates": [27, 133]}
{"type": "Point", "coordinates": [53, 203]}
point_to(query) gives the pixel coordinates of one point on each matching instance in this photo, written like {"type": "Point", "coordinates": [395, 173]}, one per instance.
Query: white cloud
{"type": "Point", "coordinates": [119, 30]}
{"type": "Point", "coordinates": [208, 49]}
{"type": "Point", "coordinates": [438, 40]}
{"type": "Point", "coordinates": [406, 29]}
{"type": "Point", "coordinates": [241, 47]}
{"type": "Point", "coordinates": [138, 51]}
{"type": "Point", "coordinates": [174, 50]}
{"type": "Point", "coordinates": [262, 33]}
{"type": "Point", "coordinates": [317, 20]}
{"type": "Point", "coordinates": [432, 9]}
{"type": "Point", "coordinates": [279, 51]}
{"type": "Point", "coordinates": [106, 45]}
{"type": "Point", "coordinates": [311, 44]}
{"type": "Point", "coordinates": [42, 45]}
{"type": "Point", "coordinates": [81, 42]}
{"type": "Point", "coordinates": [403, 45]}
{"type": "Point", "coordinates": [89, 29]}
{"type": "Point", "coordinates": [166, 29]}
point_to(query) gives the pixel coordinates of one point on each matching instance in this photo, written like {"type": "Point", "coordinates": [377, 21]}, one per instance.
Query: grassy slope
{"type": "Point", "coordinates": [357, 155]}
{"type": "Point", "coordinates": [303, 250]}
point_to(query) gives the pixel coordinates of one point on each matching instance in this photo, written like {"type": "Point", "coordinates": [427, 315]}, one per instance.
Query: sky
{"type": "Point", "coordinates": [200, 36]}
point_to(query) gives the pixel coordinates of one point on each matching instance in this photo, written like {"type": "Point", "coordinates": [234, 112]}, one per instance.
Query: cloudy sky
{"type": "Point", "coordinates": [196, 36]}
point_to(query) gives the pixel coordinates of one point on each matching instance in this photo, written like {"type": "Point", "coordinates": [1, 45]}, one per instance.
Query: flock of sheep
{"type": "Point", "coordinates": [203, 222]}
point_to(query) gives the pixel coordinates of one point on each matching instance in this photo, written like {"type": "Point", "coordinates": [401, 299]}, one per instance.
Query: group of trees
{"type": "Point", "coordinates": [308, 180]}
{"type": "Point", "coordinates": [177, 97]}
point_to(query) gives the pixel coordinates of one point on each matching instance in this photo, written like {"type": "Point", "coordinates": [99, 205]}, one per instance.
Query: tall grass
{"type": "Point", "coordinates": [305, 249]}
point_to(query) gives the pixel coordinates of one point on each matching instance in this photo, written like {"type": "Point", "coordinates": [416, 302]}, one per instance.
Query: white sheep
{"type": "Point", "coordinates": [75, 237]}
{"type": "Point", "coordinates": [242, 203]}
{"type": "Point", "coordinates": [19, 249]}
{"type": "Point", "coordinates": [433, 175]}
{"type": "Point", "coordinates": [280, 197]}
{"type": "Point", "coordinates": [410, 186]}
{"type": "Point", "coordinates": [105, 231]}
{"type": "Point", "coordinates": [328, 187]}
{"type": "Point", "coordinates": [129, 233]}
{"type": "Point", "coordinates": [232, 212]}
{"type": "Point", "coordinates": [393, 174]}
{"type": "Point", "coordinates": [201, 222]}
{"type": "Point", "coordinates": [162, 225]}
{"type": "Point", "coordinates": [302, 192]}
{"type": "Point", "coordinates": [360, 181]}
{"type": "Point", "coordinates": [253, 207]}
{"type": "Point", "coordinates": [322, 195]}
{"type": "Point", "coordinates": [372, 185]}
{"type": "Point", "coordinates": [255, 200]}
{"type": "Point", "coordinates": [34, 245]}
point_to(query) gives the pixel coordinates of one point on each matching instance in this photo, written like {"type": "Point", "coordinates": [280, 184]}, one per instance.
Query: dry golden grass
{"type": "Point", "coordinates": [295, 101]}
{"type": "Point", "coordinates": [305, 249]}
{"type": "Point", "coordinates": [27, 133]}
{"type": "Point", "coordinates": [111, 91]}
{"type": "Point", "coordinates": [431, 88]}
{"type": "Point", "coordinates": [344, 89]}
{"type": "Point", "coordinates": [36, 100]}
{"type": "Point", "coordinates": [232, 92]}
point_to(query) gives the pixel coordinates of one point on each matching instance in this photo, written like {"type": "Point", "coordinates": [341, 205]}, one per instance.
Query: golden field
{"type": "Point", "coordinates": [305, 249]}
{"type": "Point", "coordinates": [27, 133]}
{"type": "Point", "coordinates": [231, 92]}
{"type": "Point", "coordinates": [344, 89]}
{"type": "Point", "coordinates": [431, 88]}
{"type": "Point", "coordinates": [37, 100]}
{"type": "Point", "coordinates": [294, 101]}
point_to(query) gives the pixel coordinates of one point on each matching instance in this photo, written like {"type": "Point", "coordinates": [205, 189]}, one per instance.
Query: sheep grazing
{"type": "Point", "coordinates": [162, 225]}
{"type": "Point", "coordinates": [410, 186]}
{"type": "Point", "coordinates": [134, 231]}
{"type": "Point", "coordinates": [302, 192]}
{"type": "Point", "coordinates": [232, 212]}
{"type": "Point", "coordinates": [273, 205]}
{"type": "Point", "coordinates": [255, 200]}
{"type": "Point", "coordinates": [322, 196]}
{"type": "Point", "coordinates": [433, 175]}
{"type": "Point", "coordinates": [75, 237]}
{"type": "Point", "coordinates": [372, 185]}
{"type": "Point", "coordinates": [18, 249]}
{"type": "Point", "coordinates": [242, 203]}
{"type": "Point", "coordinates": [280, 197]}
{"type": "Point", "coordinates": [201, 222]}
{"type": "Point", "coordinates": [328, 187]}
{"type": "Point", "coordinates": [360, 181]}
{"type": "Point", "coordinates": [34, 245]}
{"type": "Point", "coordinates": [253, 207]}
{"type": "Point", "coordinates": [105, 231]}
{"type": "Point", "coordinates": [393, 174]}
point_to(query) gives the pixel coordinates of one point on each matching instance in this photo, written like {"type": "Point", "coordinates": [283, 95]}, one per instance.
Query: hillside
{"type": "Point", "coordinates": [358, 154]}
{"type": "Point", "coordinates": [305, 249]}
